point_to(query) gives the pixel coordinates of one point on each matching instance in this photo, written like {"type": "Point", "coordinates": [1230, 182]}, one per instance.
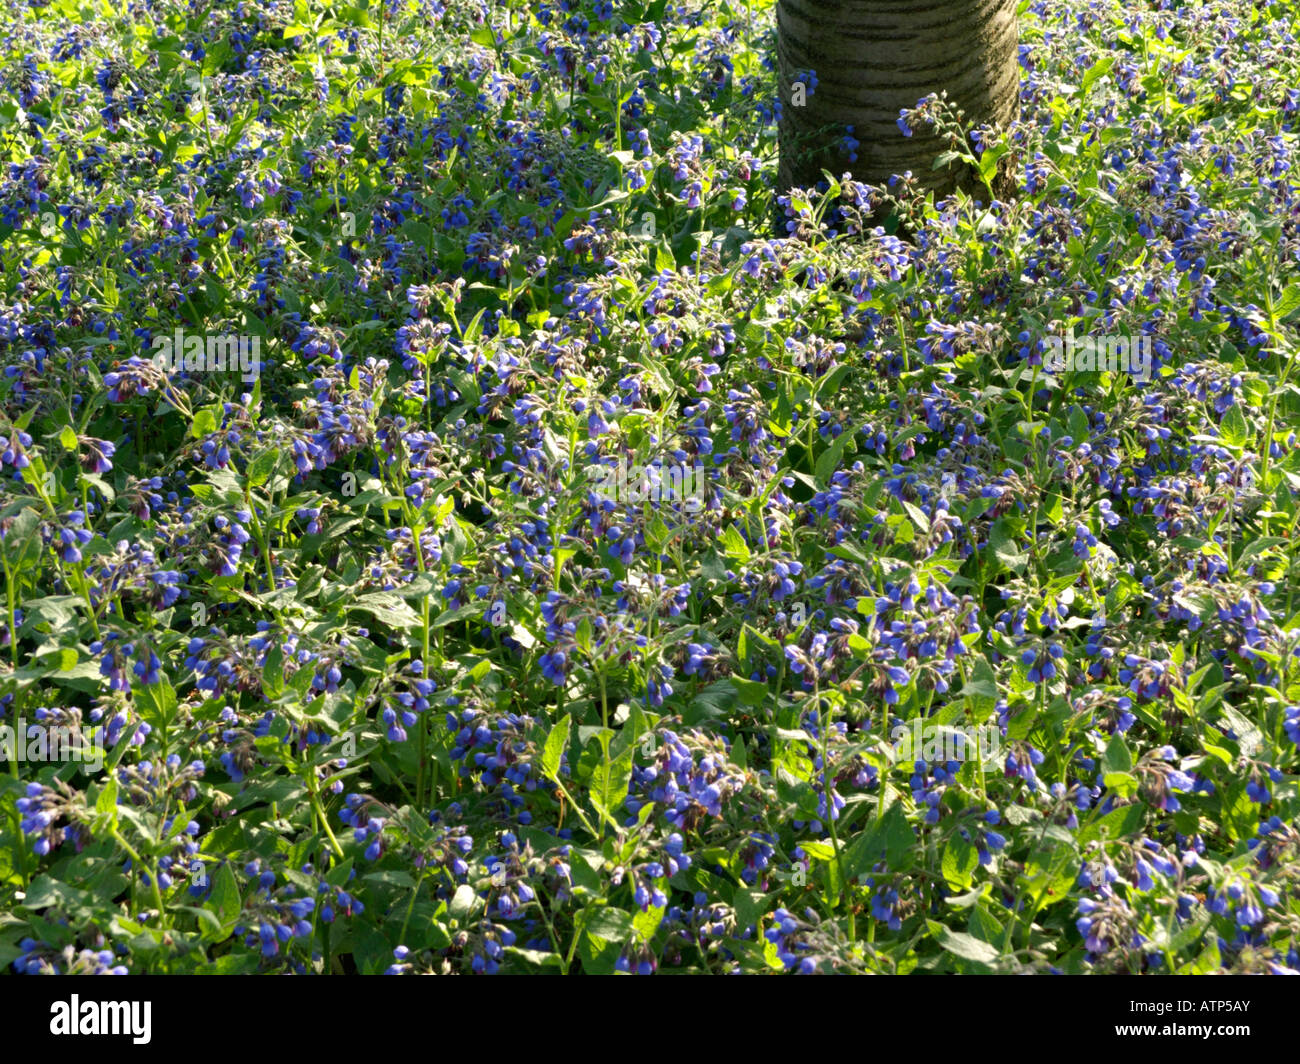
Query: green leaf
{"type": "Point", "coordinates": [462, 902]}
{"type": "Point", "coordinates": [981, 690]}
{"type": "Point", "coordinates": [161, 697]}
{"type": "Point", "coordinates": [1005, 548]}
{"type": "Point", "coordinates": [960, 859]}
{"type": "Point", "coordinates": [733, 543]}
{"type": "Point", "coordinates": [645, 924]}
{"type": "Point", "coordinates": [1287, 302]}
{"type": "Point", "coordinates": [261, 468]}
{"type": "Point", "coordinates": [829, 460]}
{"type": "Point", "coordinates": [1124, 784]}
{"type": "Point", "coordinates": [960, 944]}
{"type": "Point", "coordinates": [609, 783]}
{"type": "Point", "coordinates": [1233, 429]}
{"type": "Point", "coordinates": [1117, 757]}
{"type": "Point", "coordinates": [273, 673]}
{"type": "Point", "coordinates": [470, 611]}
{"type": "Point", "coordinates": [890, 837]}
{"type": "Point", "coordinates": [818, 851]}
{"type": "Point", "coordinates": [388, 608]}
{"type": "Point", "coordinates": [21, 539]}
{"type": "Point", "coordinates": [989, 161]}
{"type": "Point", "coordinates": [1248, 735]}
{"type": "Point", "coordinates": [1118, 823]}
{"type": "Point", "coordinates": [1097, 70]}
{"type": "Point", "coordinates": [224, 903]}
{"type": "Point", "coordinates": [898, 835]}
{"type": "Point", "coordinates": [604, 932]}
{"type": "Point", "coordinates": [106, 803]}
{"type": "Point", "coordinates": [752, 692]}
{"type": "Point", "coordinates": [554, 747]}
{"type": "Point", "coordinates": [749, 905]}
{"type": "Point", "coordinates": [205, 423]}
{"type": "Point", "coordinates": [713, 703]}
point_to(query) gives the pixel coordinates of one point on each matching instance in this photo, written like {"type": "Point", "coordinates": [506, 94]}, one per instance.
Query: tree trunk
{"type": "Point", "coordinates": [873, 58]}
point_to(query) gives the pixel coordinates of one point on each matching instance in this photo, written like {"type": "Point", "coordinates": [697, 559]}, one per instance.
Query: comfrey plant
{"type": "Point", "coordinates": [1100, 354]}
{"type": "Point", "coordinates": [191, 353]}
{"type": "Point", "coordinates": [477, 541]}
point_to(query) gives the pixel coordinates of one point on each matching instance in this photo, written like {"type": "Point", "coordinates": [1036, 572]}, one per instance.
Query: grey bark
{"type": "Point", "coordinates": [875, 57]}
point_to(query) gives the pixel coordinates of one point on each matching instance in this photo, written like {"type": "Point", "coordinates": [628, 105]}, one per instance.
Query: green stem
{"type": "Point", "coordinates": [424, 643]}
{"type": "Point", "coordinates": [577, 809]}
{"type": "Point", "coordinates": [410, 907]}
{"type": "Point", "coordinates": [263, 543]}
{"type": "Point", "coordinates": [824, 728]}
{"type": "Point", "coordinates": [319, 810]}
{"type": "Point", "coordinates": [138, 863]}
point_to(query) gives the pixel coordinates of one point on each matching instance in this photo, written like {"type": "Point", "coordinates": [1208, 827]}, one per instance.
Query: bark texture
{"type": "Point", "coordinates": [875, 57]}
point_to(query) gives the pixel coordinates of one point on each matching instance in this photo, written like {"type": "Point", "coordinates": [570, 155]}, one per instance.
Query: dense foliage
{"type": "Point", "coordinates": [555, 576]}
